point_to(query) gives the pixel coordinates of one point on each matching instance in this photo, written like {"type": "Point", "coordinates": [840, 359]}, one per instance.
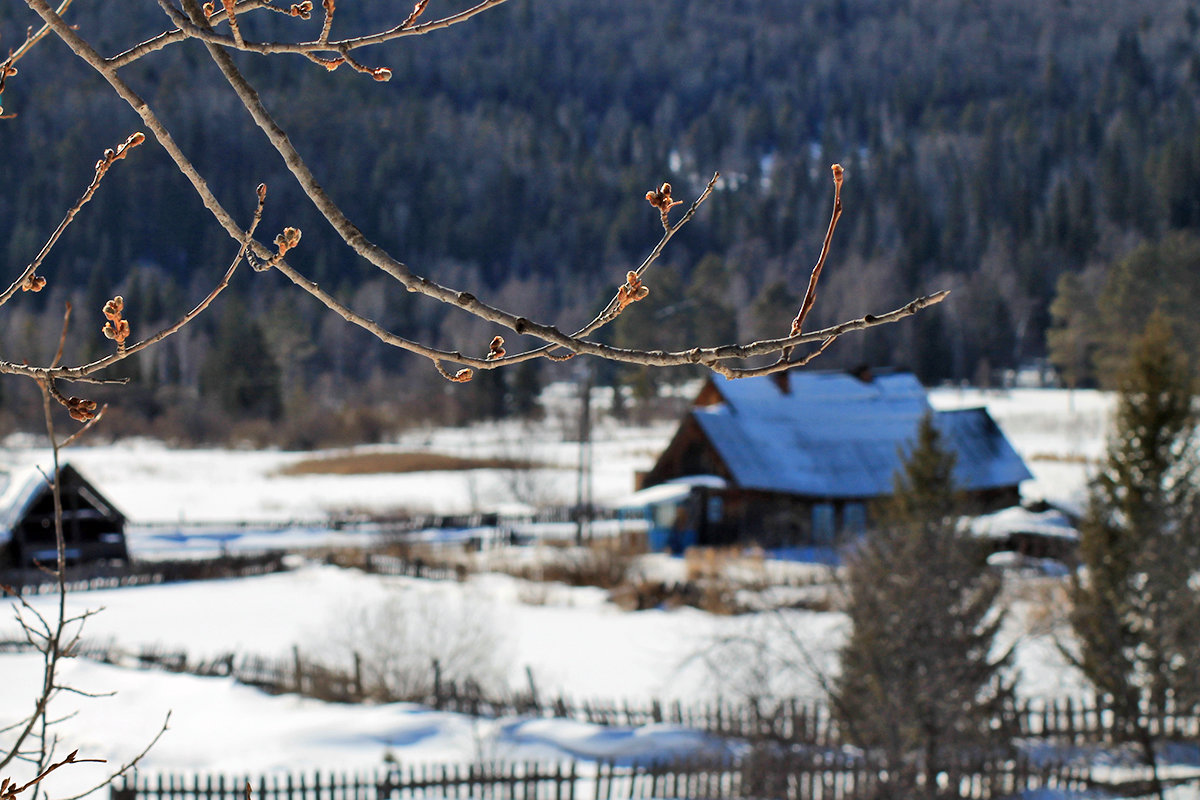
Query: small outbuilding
{"type": "Point", "coordinates": [93, 529]}
{"type": "Point", "coordinates": [795, 460]}
{"type": "Point", "coordinates": [1024, 535]}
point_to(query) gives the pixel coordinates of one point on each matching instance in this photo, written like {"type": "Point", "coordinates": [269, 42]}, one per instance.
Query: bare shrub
{"type": "Point", "coordinates": [398, 639]}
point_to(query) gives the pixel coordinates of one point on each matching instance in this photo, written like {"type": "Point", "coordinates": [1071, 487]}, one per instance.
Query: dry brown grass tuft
{"type": "Point", "coordinates": [374, 463]}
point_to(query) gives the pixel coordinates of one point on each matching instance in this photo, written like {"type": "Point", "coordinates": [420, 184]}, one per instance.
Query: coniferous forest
{"type": "Point", "coordinates": [1039, 159]}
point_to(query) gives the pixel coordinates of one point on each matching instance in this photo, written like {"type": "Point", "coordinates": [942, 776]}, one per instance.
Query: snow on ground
{"type": "Point", "coordinates": [574, 640]}
{"type": "Point", "coordinates": [217, 725]}
{"type": "Point", "coordinates": [154, 484]}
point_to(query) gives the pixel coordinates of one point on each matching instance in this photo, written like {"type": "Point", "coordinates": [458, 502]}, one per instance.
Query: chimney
{"type": "Point", "coordinates": [863, 373]}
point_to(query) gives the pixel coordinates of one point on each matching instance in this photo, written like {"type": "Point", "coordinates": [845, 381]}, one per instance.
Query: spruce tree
{"type": "Point", "coordinates": [919, 685]}
{"type": "Point", "coordinates": [1136, 611]}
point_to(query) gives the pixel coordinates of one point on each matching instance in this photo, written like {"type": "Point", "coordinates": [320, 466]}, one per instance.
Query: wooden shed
{"type": "Point", "coordinates": [802, 455]}
{"type": "Point", "coordinates": [93, 529]}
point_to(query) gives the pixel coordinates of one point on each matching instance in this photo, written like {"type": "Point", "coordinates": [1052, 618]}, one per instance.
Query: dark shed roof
{"type": "Point", "coordinates": [832, 435]}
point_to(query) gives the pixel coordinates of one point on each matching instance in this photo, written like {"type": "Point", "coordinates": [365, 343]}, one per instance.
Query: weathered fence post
{"type": "Point", "coordinates": [298, 666]}
{"type": "Point", "coordinates": [533, 692]}
{"type": "Point", "coordinates": [359, 692]}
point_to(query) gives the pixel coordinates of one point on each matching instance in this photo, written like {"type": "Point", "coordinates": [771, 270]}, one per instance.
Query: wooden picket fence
{"type": "Point", "coordinates": [89, 577]}
{"type": "Point", "coordinates": [819, 776]}
{"type": "Point", "coordinates": [1091, 719]}
{"type": "Point", "coordinates": [517, 781]}
{"type": "Point", "coordinates": [827, 775]}
{"type": "Point", "coordinates": [789, 721]}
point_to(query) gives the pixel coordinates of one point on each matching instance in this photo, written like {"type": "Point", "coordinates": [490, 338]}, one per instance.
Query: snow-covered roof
{"type": "Point", "coordinates": [21, 486]}
{"type": "Point", "coordinates": [832, 435]}
{"type": "Point", "coordinates": [18, 488]}
{"type": "Point", "coordinates": [1002, 524]}
{"type": "Point", "coordinates": [675, 489]}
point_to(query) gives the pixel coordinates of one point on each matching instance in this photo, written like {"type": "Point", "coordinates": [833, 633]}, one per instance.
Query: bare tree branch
{"type": "Point", "coordinates": [196, 23]}
{"type": "Point", "coordinates": [186, 29]}
{"type": "Point", "coordinates": [8, 792]}
{"type": "Point", "coordinates": [29, 280]}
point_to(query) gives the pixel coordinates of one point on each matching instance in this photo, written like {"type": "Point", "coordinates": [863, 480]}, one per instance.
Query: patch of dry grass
{"type": "Point", "coordinates": [375, 463]}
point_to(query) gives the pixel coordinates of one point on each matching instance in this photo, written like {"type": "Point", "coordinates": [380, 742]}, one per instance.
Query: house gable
{"type": "Point", "coordinates": [829, 436]}
{"type": "Point", "coordinates": [93, 529]}
{"type": "Point", "coordinates": [690, 452]}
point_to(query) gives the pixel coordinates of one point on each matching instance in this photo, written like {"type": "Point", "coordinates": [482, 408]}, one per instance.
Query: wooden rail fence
{"type": "Point", "coordinates": [140, 573]}
{"type": "Point", "coordinates": [1085, 719]}
{"type": "Point", "coordinates": [820, 776]}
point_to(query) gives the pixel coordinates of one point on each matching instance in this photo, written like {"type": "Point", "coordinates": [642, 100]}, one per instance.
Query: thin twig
{"type": "Point", "coordinates": [70, 759]}
{"type": "Point", "coordinates": [231, 15]}
{"type": "Point", "coordinates": [329, 6]}
{"type": "Point", "coordinates": [810, 295]}
{"type": "Point", "coordinates": [75, 373]}
{"type": "Point", "coordinates": [106, 161]}
{"type": "Point", "coordinates": [186, 29]}
{"type": "Point", "coordinates": [31, 39]}
{"type": "Point", "coordinates": [87, 426]}
{"type": "Point", "coordinates": [62, 339]}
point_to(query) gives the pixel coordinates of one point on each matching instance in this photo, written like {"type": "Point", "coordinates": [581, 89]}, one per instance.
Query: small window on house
{"type": "Point", "coordinates": [664, 514]}
{"type": "Point", "coordinates": [854, 518]}
{"type": "Point", "coordinates": [715, 509]}
{"type": "Point", "coordinates": [822, 523]}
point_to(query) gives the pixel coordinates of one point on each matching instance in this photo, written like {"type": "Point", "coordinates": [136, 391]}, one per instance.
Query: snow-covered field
{"type": "Point", "coordinates": [152, 483]}
{"type": "Point", "coordinates": [573, 641]}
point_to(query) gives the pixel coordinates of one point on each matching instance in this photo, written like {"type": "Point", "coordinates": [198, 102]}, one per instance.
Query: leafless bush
{"type": "Point", "coordinates": [399, 639]}
{"type": "Point", "coordinates": [767, 660]}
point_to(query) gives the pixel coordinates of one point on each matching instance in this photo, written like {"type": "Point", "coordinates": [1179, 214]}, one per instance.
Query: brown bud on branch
{"type": "Point", "coordinates": [462, 376]}
{"type": "Point", "coordinates": [660, 198]}
{"type": "Point", "coordinates": [122, 150]}
{"type": "Point", "coordinates": [285, 241]}
{"type": "Point", "coordinates": [80, 409]}
{"type": "Point", "coordinates": [378, 73]}
{"type": "Point", "coordinates": [412, 18]}
{"type": "Point", "coordinates": [496, 349]}
{"type": "Point", "coordinates": [632, 291]}
{"type": "Point", "coordinates": [117, 328]}
{"type": "Point", "coordinates": [301, 10]}
{"type": "Point", "coordinates": [33, 283]}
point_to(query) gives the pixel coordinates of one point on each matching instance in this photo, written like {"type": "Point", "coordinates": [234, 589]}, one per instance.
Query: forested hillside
{"type": "Point", "coordinates": [989, 149]}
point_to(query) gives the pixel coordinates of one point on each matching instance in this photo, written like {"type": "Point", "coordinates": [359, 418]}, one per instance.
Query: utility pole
{"type": "Point", "coordinates": [583, 484]}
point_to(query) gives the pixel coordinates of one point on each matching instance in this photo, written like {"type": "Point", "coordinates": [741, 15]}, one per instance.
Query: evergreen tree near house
{"type": "Point", "coordinates": [920, 684]}
{"type": "Point", "coordinates": [1136, 612]}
